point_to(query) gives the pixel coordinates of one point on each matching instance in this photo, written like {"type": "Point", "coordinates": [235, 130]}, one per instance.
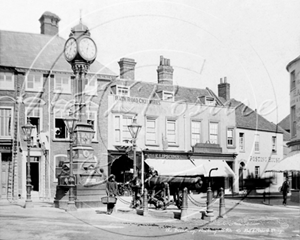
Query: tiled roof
{"type": "Point", "coordinates": [250, 119]}
{"type": "Point", "coordinates": [38, 51]}
{"type": "Point", "coordinates": [145, 89]}
{"type": "Point", "coordinates": [285, 123]}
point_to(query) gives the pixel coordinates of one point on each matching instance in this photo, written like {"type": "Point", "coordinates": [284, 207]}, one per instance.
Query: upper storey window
{"type": "Point", "coordinates": [34, 82]}
{"type": "Point", "coordinates": [6, 81]}
{"type": "Point", "coordinates": [122, 91]}
{"type": "Point", "coordinates": [168, 96]}
{"type": "Point", "coordinates": [293, 80]}
{"type": "Point", "coordinates": [62, 84]}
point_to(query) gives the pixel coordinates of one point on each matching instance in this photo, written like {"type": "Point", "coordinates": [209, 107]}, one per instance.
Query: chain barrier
{"type": "Point", "coordinates": [193, 201]}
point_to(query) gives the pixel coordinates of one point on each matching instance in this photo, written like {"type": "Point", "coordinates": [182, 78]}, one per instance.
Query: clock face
{"type": "Point", "coordinates": [70, 49]}
{"type": "Point", "coordinates": [87, 49]}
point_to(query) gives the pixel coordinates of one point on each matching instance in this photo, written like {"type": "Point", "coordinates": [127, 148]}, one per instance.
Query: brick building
{"type": "Point", "coordinates": [37, 83]}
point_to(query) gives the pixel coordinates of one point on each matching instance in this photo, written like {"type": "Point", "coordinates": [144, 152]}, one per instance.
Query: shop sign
{"type": "Point", "coordinates": [5, 148]}
{"type": "Point", "coordinates": [264, 159]}
{"type": "Point", "coordinates": [166, 156]}
{"type": "Point", "coordinates": [137, 100]}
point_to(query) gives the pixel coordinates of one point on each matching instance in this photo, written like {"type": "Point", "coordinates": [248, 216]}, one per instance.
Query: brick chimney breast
{"type": "Point", "coordinates": [165, 71]}
{"type": "Point", "coordinates": [49, 23]}
{"type": "Point", "coordinates": [127, 68]}
{"type": "Point", "coordinates": [224, 89]}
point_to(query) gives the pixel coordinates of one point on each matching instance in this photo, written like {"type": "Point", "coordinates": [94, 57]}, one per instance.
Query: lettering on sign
{"type": "Point", "coordinates": [264, 159]}
{"type": "Point", "coordinates": [5, 148]}
{"type": "Point", "coordinates": [137, 100]}
{"type": "Point", "coordinates": [166, 156]}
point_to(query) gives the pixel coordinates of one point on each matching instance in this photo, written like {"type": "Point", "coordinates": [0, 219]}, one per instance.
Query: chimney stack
{"type": "Point", "coordinates": [49, 23]}
{"type": "Point", "coordinates": [127, 66]}
{"type": "Point", "coordinates": [224, 89]}
{"type": "Point", "coordinates": [165, 71]}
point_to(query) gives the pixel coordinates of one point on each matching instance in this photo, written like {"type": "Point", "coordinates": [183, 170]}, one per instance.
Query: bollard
{"type": "Point", "coordinates": [209, 215]}
{"type": "Point", "coordinates": [145, 202]}
{"type": "Point", "coordinates": [222, 204]}
{"type": "Point", "coordinates": [168, 192]}
{"type": "Point", "coordinates": [184, 206]}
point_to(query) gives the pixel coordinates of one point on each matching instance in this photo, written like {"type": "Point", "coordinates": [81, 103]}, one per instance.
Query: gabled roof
{"type": "Point", "coordinates": [146, 89]}
{"type": "Point", "coordinates": [38, 51]}
{"type": "Point", "coordinates": [285, 123]}
{"type": "Point", "coordinates": [250, 119]}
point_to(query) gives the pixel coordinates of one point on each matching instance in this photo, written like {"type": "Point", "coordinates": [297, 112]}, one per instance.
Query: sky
{"type": "Point", "coordinates": [248, 42]}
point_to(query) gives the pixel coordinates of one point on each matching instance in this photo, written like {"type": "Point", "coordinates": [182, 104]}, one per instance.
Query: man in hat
{"type": "Point", "coordinates": [111, 191]}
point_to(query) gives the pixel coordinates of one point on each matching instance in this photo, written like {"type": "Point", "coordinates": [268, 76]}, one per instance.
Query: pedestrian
{"type": "Point", "coordinates": [285, 189]}
{"type": "Point", "coordinates": [111, 191]}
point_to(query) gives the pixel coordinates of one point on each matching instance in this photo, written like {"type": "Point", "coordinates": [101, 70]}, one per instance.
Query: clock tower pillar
{"type": "Point", "coordinates": [80, 51]}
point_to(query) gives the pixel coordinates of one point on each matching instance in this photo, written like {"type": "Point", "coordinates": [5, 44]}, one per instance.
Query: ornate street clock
{"type": "Point", "coordinates": [80, 48]}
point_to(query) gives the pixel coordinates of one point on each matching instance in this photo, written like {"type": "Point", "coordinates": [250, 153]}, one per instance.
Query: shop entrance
{"type": "Point", "coordinates": [122, 169]}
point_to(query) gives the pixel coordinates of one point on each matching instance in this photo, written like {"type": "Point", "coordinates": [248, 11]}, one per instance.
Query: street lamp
{"type": "Point", "coordinates": [70, 124]}
{"type": "Point", "coordinates": [27, 129]}
{"type": "Point", "coordinates": [134, 129]}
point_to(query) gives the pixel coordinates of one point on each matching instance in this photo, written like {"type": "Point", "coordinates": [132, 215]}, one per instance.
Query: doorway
{"type": "Point", "coordinates": [35, 176]}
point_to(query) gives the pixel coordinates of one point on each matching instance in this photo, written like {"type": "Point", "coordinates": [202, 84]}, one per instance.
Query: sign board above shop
{"type": "Point", "coordinates": [137, 100]}
{"type": "Point", "coordinates": [5, 148]}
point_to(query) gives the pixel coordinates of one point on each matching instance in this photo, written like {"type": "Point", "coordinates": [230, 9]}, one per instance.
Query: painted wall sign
{"type": "Point", "coordinates": [264, 159]}
{"type": "Point", "coordinates": [137, 100]}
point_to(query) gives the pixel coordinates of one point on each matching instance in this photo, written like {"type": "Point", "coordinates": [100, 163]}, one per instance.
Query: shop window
{"type": "Point", "coordinates": [151, 131]}
{"type": "Point", "coordinates": [171, 132]}
{"type": "Point", "coordinates": [7, 81]}
{"type": "Point", "coordinates": [62, 84]}
{"type": "Point", "coordinates": [5, 122]}
{"type": "Point", "coordinates": [121, 131]}
{"type": "Point", "coordinates": [213, 132]}
{"type": "Point", "coordinates": [34, 82]}
{"type": "Point", "coordinates": [230, 137]}
{"type": "Point", "coordinates": [196, 132]}
{"type": "Point", "coordinates": [242, 142]}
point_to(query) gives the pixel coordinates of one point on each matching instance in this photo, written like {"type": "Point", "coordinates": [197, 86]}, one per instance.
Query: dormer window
{"type": "Point", "coordinates": [207, 100]}
{"type": "Point", "coordinates": [168, 96]}
{"type": "Point", "coordinates": [122, 91]}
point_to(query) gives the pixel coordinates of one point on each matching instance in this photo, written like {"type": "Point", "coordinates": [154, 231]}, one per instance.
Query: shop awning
{"type": "Point", "coordinates": [291, 163]}
{"type": "Point", "coordinates": [223, 168]}
{"type": "Point", "coordinates": [175, 167]}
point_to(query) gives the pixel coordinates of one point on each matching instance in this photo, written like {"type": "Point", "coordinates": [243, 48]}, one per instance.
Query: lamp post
{"type": "Point", "coordinates": [134, 129]}
{"type": "Point", "coordinates": [27, 129]}
{"type": "Point", "coordinates": [70, 124]}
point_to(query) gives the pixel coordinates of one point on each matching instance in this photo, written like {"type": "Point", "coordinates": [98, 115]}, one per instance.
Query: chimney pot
{"type": "Point", "coordinates": [221, 80]}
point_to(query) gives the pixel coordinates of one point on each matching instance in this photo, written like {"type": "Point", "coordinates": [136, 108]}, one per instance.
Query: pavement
{"type": "Point", "coordinates": [242, 220]}
{"type": "Point", "coordinates": [123, 213]}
